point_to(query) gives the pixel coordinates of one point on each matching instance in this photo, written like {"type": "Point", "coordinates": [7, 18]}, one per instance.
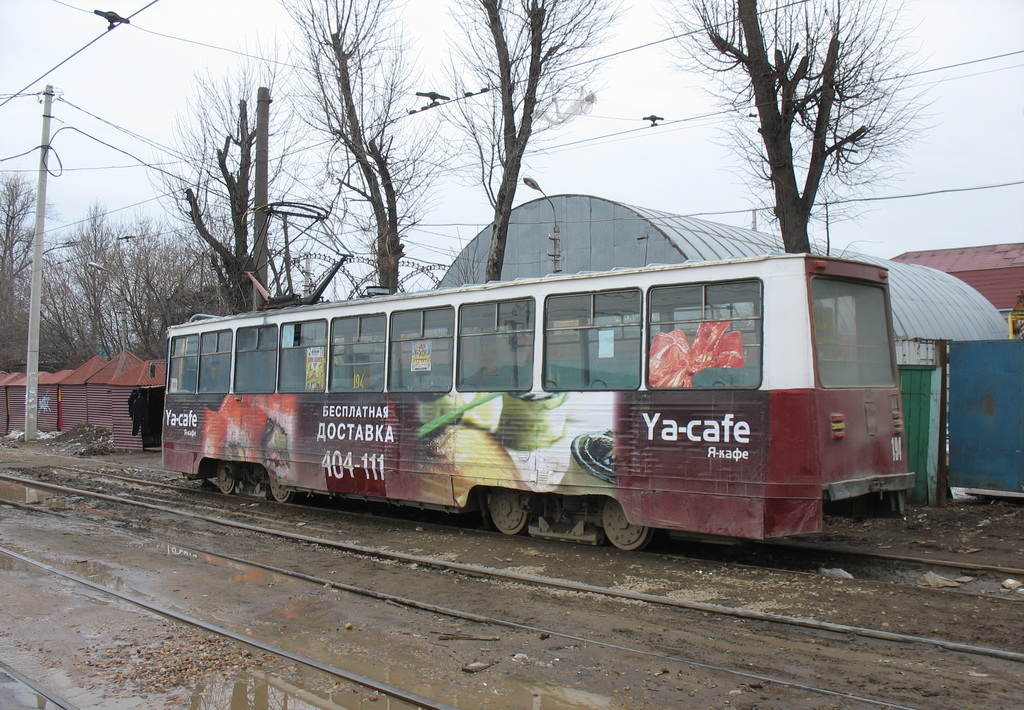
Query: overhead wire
{"type": "Point", "coordinates": [620, 135]}
{"type": "Point", "coordinates": [77, 52]}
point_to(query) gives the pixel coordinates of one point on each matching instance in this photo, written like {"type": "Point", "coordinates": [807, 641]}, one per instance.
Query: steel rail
{"type": "Point", "coordinates": [811, 547]}
{"type": "Point", "coordinates": [37, 688]}
{"type": "Point", "coordinates": [484, 619]}
{"type": "Point", "coordinates": [383, 688]}
{"type": "Point", "coordinates": [478, 570]}
{"type": "Point", "coordinates": [779, 544]}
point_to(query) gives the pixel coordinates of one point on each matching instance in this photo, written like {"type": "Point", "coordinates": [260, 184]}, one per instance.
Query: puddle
{"type": "Point", "coordinates": [244, 573]}
{"type": "Point", "coordinates": [15, 695]}
{"type": "Point", "coordinates": [17, 493]}
{"type": "Point", "coordinates": [314, 616]}
{"type": "Point", "coordinates": [260, 690]}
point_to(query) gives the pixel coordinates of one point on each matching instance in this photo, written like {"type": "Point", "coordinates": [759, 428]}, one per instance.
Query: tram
{"type": "Point", "coordinates": [730, 398]}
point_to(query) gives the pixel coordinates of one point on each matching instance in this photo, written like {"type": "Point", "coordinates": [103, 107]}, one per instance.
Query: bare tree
{"type": "Point", "coordinates": [117, 286]}
{"type": "Point", "coordinates": [823, 80]}
{"type": "Point", "coordinates": [217, 143]}
{"type": "Point", "coordinates": [359, 83]}
{"type": "Point", "coordinates": [526, 52]}
{"type": "Point", "coordinates": [17, 205]}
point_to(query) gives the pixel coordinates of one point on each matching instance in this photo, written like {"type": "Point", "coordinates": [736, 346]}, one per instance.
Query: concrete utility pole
{"type": "Point", "coordinates": [260, 253]}
{"type": "Point", "coordinates": [32, 359]}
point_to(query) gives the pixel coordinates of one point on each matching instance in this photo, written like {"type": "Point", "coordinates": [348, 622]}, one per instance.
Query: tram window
{"type": "Point", "coordinates": [214, 361]}
{"type": "Point", "coordinates": [256, 359]}
{"type": "Point", "coordinates": [303, 357]}
{"type": "Point", "coordinates": [421, 350]}
{"type": "Point", "coordinates": [184, 364]}
{"type": "Point", "coordinates": [705, 335]}
{"type": "Point", "coordinates": [357, 354]}
{"type": "Point", "coordinates": [851, 334]}
{"type": "Point", "coordinates": [496, 346]}
{"type": "Point", "coordinates": [592, 341]}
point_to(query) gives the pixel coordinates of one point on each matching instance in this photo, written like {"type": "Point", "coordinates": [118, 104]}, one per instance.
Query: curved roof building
{"type": "Point", "coordinates": [573, 233]}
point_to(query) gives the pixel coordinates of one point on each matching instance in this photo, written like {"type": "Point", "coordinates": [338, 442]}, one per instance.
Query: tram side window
{"type": "Point", "coordinates": [422, 350]}
{"type": "Point", "coordinates": [184, 364]}
{"type": "Point", "coordinates": [256, 359]}
{"type": "Point", "coordinates": [592, 341]}
{"type": "Point", "coordinates": [303, 357]}
{"type": "Point", "coordinates": [214, 361]}
{"type": "Point", "coordinates": [705, 335]}
{"type": "Point", "coordinates": [851, 334]}
{"type": "Point", "coordinates": [496, 346]}
{"type": "Point", "coordinates": [357, 354]}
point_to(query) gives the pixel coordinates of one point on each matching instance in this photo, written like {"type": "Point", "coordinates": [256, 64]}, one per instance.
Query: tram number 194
{"type": "Point", "coordinates": [338, 463]}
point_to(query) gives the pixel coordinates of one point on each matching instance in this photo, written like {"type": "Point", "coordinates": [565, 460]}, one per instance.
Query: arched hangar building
{"type": "Point", "coordinates": [573, 233]}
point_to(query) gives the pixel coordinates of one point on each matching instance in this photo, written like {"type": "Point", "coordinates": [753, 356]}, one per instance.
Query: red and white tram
{"type": "Point", "coordinates": [730, 398]}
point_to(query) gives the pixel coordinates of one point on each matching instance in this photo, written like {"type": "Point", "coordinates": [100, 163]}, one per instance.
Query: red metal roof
{"type": "Point", "coordinates": [952, 261]}
{"type": "Point", "coordinates": [121, 363]}
{"type": "Point", "coordinates": [13, 378]}
{"type": "Point", "coordinates": [54, 378]}
{"type": "Point", "coordinates": [996, 271]}
{"type": "Point", "coordinates": [83, 373]}
{"type": "Point", "coordinates": [149, 373]}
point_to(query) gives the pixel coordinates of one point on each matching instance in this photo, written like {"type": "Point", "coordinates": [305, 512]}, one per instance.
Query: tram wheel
{"type": "Point", "coordinates": [226, 478]}
{"type": "Point", "coordinates": [620, 532]}
{"type": "Point", "coordinates": [280, 493]}
{"type": "Point", "coordinates": [507, 512]}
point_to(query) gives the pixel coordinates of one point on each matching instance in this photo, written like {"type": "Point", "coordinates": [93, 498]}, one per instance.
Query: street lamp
{"type": "Point", "coordinates": [556, 255]}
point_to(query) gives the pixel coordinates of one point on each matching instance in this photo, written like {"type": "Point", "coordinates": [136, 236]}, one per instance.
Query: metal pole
{"type": "Point", "coordinates": [260, 190]}
{"type": "Point", "coordinates": [556, 235]}
{"type": "Point", "coordinates": [32, 359]}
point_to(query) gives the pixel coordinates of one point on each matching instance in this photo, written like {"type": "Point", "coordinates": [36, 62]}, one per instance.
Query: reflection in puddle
{"type": "Point", "coordinates": [315, 622]}
{"type": "Point", "coordinates": [260, 691]}
{"type": "Point", "coordinates": [17, 493]}
{"type": "Point", "coordinates": [90, 569]}
{"type": "Point", "coordinates": [245, 573]}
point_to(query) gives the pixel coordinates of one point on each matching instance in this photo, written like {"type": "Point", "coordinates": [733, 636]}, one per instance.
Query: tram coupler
{"type": "Point", "coordinates": [581, 531]}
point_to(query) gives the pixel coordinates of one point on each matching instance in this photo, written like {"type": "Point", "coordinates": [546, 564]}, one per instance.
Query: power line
{"type": "Point", "coordinates": [76, 53]}
{"type": "Point", "coordinates": [136, 136]}
{"type": "Point", "coordinates": [114, 147]}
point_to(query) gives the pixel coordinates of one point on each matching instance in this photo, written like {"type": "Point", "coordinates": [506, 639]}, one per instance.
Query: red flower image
{"type": "Point", "coordinates": [674, 361]}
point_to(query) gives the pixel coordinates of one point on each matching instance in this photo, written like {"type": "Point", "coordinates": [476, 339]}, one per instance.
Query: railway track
{"type": "Point", "coordinates": [14, 685]}
{"type": "Point", "coordinates": [568, 585]}
{"type": "Point", "coordinates": [854, 700]}
{"type": "Point", "coordinates": [786, 555]}
{"type": "Point", "coordinates": [411, 699]}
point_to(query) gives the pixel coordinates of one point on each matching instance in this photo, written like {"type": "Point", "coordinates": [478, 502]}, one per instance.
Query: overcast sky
{"type": "Point", "coordinates": [140, 78]}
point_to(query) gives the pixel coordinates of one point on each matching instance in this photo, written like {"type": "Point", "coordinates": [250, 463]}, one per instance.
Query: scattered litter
{"type": "Point", "coordinates": [835, 573]}
{"type": "Point", "coordinates": [970, 550]}
{"type": "Point", "coordinates": [930, 579]}
{"type": "Point", "coordinates": [1012, 584]}
{"type": "Point", "coordinates": [477, 666]}
{"type": "Point", "coordinates": [463, 637]}
{"type": "Point", "coordinates": [964, 580]}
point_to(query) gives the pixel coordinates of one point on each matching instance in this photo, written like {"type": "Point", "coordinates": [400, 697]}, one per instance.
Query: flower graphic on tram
{"type": "Point", "coordinates": [674, 360]}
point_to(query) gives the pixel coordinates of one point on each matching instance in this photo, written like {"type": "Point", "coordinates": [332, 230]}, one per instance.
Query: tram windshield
{"type": "Point", "coordinates": [851, 334]}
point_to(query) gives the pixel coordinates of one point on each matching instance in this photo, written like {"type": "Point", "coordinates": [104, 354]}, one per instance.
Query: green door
{"type": "Point", "coordinates": [920, 387]}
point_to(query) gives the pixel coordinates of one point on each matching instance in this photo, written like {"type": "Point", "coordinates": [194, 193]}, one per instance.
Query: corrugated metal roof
{"type": "Point", "coordinates": [121, 363]}
{"type": "Point", "coordinates": [85, 371]}
{"type": "Point", "coordinates": [992, 256]}
{"type": "Point", "coordinates": [146, 374]}
{"type": "Point", "coordinates": [596, 234]}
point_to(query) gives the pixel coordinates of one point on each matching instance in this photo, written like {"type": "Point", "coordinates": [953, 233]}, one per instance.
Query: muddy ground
{"type": "Point", "coordinates": [133, 660]}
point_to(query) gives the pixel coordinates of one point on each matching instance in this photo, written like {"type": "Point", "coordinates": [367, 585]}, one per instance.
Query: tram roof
{"type": "Point", "coordinates": [596, 234]}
